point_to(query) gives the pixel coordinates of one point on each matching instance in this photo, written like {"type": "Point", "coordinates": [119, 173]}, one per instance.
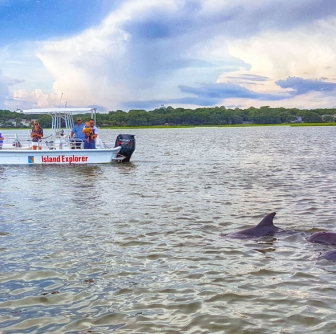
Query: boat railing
{"type": "Point", "coordinates": [63, 142]}
{"type": "Point", "coordinates": [17, 140]}
{"type": "Point", "coordinates": [21, 141]}
{"type": "Point", "coordinates": [76, 143]}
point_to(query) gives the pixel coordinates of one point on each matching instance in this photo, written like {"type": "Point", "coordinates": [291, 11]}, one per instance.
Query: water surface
{"type": "Point", "coordinates": [137, 248]}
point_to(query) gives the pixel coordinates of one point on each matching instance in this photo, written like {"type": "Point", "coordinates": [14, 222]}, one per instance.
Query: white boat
{"type": "Point", "coordinates": [59, 147]}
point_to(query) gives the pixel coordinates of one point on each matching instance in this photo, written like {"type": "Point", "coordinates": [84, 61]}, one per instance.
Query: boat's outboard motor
{"type": "Point", "coordinates": [127, 143]}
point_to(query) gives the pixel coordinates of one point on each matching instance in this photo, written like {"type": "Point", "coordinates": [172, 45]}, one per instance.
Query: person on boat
{"type": "Point", "coordinates": [1, 140]}
{"type": "Point", "coordinates": [91, 142]}
{"type": "Point", "coordinates": [77, 132]}
{"type": "Point", "coordinates": [95, 130]}
{"type": "Point", "coordinates": [37, 135]}
{"type": "Point", "coordinates": [88, 132]}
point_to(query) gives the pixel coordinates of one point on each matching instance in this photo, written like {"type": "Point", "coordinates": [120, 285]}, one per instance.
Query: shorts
{"type": "Point", "coordinates": [37, 143]}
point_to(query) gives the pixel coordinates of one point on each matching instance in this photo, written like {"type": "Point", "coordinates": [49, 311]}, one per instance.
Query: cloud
{"type": "Point", "coordinates": [216, 93]}
{"type": "Point", "coordinates": [211, 95]}
{"type": "Point", "coordinates": [142, 50]}
{"type": "Point", "coordinates": [248, 77]}
{"type": "Point", "coordinates": [6, 97]}
{"type": "Point", "coordinates": [158, 52]}
{"type": "Point", "coordinates": [21, 98]}
{"type": "Point", "coordinates": [36, 99]}
{"type": "Point", "coordinates": [306, 53]}
{"type": "Point", "coordinates": [221, 91]}
{"type": "Point", "coordinates": [301, 86]}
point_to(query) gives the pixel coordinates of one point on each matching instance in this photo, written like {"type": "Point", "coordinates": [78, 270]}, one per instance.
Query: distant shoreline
{"type": "Point", "coordinates": [217, 126]}
{"type": "Point", "coordinates": [196, 126]}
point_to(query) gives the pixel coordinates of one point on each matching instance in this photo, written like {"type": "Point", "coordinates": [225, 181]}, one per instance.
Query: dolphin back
{"type": "Point", "coordinates": [268, 220]}
{"type": "Point", "coordinates": [326, 238]}
{"type": "Point", "coordinates": [264, 228]}
{"type": "Point", "coordinates": [331, 255]}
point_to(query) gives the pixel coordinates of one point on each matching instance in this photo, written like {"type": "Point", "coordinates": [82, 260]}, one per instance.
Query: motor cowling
{"type": "Point", "coordinates": [127, 143]}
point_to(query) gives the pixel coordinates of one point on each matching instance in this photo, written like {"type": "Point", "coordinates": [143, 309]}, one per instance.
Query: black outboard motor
{"type": "Point", "coordinates": [127, 143]}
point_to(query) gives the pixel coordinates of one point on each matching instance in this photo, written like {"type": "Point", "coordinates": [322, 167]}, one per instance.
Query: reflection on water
{"type": "Point", "coordinates": [136, 248]}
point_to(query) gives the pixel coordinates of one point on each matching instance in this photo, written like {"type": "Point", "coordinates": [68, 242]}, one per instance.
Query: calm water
{"type": "Point", "coordinates": [136, 248]}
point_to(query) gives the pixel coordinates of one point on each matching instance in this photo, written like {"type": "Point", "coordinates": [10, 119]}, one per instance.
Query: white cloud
{"type": "Point", "coordinates": [117, 62]}
{"type": "Point", "coordinates": [89, 68]}
{"type": "Point", "coordinates": [36, 99]}
{"type": "Point", "coordinates": [307, 52]}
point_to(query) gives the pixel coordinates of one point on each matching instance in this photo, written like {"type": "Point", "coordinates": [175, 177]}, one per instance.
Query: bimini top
{"type": "Point", "coordinates": [53, 111]}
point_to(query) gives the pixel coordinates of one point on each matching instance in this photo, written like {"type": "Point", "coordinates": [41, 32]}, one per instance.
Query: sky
{"type": "Point", "coordinates": [140, 54]}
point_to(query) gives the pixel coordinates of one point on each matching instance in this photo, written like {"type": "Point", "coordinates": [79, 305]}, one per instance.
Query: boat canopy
{"type": "Point", "coordinates": [61, 116]}
{"type": "Point", "coordinates": [53, 111]}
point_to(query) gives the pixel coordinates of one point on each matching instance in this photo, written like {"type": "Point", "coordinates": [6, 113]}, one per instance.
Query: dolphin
{"type": "Point", "coordinates": [325, 238]}
{"type": "Point", "coordinates": [330, 255]}
{"type": "Point", "coordinates": [264, 228]}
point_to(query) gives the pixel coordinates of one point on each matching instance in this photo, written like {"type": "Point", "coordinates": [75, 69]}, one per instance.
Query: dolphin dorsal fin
{"type": "Point", "coordinates": [268, 220]}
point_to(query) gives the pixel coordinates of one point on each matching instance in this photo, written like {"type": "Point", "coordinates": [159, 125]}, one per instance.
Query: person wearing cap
{"type": "Point", "coordinates": [77, 132]}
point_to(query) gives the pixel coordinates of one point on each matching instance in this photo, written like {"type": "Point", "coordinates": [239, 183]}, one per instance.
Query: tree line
{"type": "Point", "coordinates": [185, 117]}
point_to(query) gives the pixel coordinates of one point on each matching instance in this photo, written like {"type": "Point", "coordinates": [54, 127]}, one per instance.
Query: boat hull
{"type": "Point", "coordinates": [58, 157]}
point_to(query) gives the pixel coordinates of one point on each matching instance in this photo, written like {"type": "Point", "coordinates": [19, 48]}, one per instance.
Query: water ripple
{"type": "Point", "coordinates": [137, 248]}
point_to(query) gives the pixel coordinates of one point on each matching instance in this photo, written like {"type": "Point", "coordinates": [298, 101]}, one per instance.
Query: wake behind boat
{"type": "Point", "coordinates": [59, 147]}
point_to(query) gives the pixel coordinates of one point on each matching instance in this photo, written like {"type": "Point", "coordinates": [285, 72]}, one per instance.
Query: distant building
{"type": "Point", "coordinates": [11, 121]}
{"type": "Point", "coordinates": [298, 119]}
{"type": "Point", "coordinates": [328, 118]}
{"type": "Point", "coordinates": [26, 122]}
{"type": "Point", "coordinates": [163, 107]}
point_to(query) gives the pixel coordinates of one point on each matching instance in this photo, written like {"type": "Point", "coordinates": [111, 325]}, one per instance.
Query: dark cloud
{"type": "Point", "coordinates": [160, 39]}
{"type": "Point", "coordinates": [152, 29]}
{"type": "Point", "coordinates": [222, 91]}
{"type": "Point", "coordinates": [208, 95]}
{"type": "Point", "coordinates": [240, 19]}
{"type": "Point", "coordinates": [249, 77]}
{"type": "Point", "coordinates": [301, 86]}
{"type": "Point", "coordinates": [278, 15]}
{"type": "Point", "coordinates": [160, 23]}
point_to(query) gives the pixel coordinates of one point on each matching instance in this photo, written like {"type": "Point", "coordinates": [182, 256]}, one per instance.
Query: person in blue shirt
{"type": "Point", "coordinates": [77, 132]}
